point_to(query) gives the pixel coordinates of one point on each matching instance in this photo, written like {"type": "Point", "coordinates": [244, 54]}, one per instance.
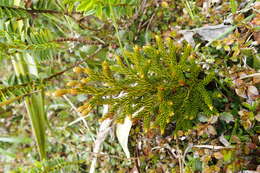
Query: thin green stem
{"type": "Point", "coordinates": [117, 33]}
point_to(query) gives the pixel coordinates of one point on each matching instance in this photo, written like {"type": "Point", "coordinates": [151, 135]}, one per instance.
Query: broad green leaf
{"type": "Point", "coordinates": [35, 109]}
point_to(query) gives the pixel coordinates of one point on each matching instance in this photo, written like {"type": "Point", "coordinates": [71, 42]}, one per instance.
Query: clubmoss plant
{"type": "Point", "coordinates": [163, 84]}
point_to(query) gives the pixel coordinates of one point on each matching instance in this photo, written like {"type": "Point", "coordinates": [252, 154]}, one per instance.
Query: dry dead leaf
{"type": "Point", "coordinates": [207, 33]}
{"type": "Point", "coordinates": [238, 82]}
{"type": "Point", "coordinates": [201, 130]}
{"type": "Point", "coordinates": [134, 170]}
{"type": "Point", "coordinates": [103, 132]}
{"type": "Point", "coordinates": [257, 37]}
{"type": "Point", "coordinates": [235, 139]}
{"type": "Point", "coordinates": [247, 124]}
{"type": "Point", "coordinates": [223, 140]}
{"type": "Point", "coordinates": [242, 74]}
{"type": "Point", "coordinates": [241, 92]}
{"type": "Point", "coordinates": [257, 117]}
{"type": "Point", "coordinates": [252, 92]}
{"type": "Point", "coordinates": [212, 130]}
{"type": "Point", "coordinates": [218, 155]}
{"type": "Point", "coordinates": [252, 146]}
{"type": "Point", "coordinates": [256, 79]}
{"type": "Point", "coordinates": [256, 20]}
{"type": "Point", "coordinates": [122, 133]}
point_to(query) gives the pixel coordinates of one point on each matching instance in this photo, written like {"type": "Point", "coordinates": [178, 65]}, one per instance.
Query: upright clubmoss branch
{"type": "Point", "coordinates": [161, 85]}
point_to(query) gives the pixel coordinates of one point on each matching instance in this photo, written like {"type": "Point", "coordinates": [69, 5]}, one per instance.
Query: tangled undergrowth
{"type": "Point", "coordinates": [180, 78]}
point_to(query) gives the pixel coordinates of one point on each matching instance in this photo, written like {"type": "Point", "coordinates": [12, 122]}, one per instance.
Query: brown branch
{"type": "Point", "coordinates": [34, 11]}
{"type": "Point", "coordinates": [9, 101]}
{"type": "Point", "coordinates": [86, 27]}
{"type": "Point", "coordinates": [122, 5]}
{"type": "Point", "coordinates": [69, 68]}
{"type": "Point", "coordinates": [49, 11]}
{"type": "Point", "coordinates": [80, 40]}
{"type": "Point", "coordinates": [93, 154]}
{"type": "Point", "coordinates": [72, 14]}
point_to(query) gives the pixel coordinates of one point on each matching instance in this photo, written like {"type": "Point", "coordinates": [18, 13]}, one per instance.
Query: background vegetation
{"type": "Point", "coordinates": [129, 86]}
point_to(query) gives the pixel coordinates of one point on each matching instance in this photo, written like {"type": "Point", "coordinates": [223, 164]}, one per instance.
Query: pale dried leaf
{"type": "Point", "coordinates": [134, 170]}
{"type": "Point", "coordinates": [101, 136]}
{"type": "Point", "coordinates": [208, 33]}
{"type": "Point", "coordinates": [257, 117]}
{"type": "Point", "coordinates": [235, 139]}
{"type": "Point", "coordinates": [212, 130]}
{"type": "Point", "coordinates": [223, 140]}
{"type": "Point", "coordinates": [242, 74]}
{"type": "Point", "coordinates": [188, 36]}
{"type": "Point", "coordinates": [242, 112]}
{"type": "Point", "coordinates": [122, 133]}
{"type": "Point", "coordinates": [247, 124]}
{"type": "Point", "coordinates": [238, 82]}
{"type": "Point", "coordinates": [256, 79]}
{"type": "Point", "coordinates": [252, 92]}
{"type": "Point", "coordinates": [200, 132]}
{"type": "Point", "coordinates": [213, 119]}
{"type": "Point", "coordinates": [241, 92]}
{"type": "Point", "coordinates": [218, 155]}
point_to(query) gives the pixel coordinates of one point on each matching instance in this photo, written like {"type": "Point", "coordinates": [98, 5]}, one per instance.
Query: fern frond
{"type": "Point", "coordinates": [45, 4]}
{"type": "Point", "coordinates": [10, 9]}
{"type": "Point", "coordinates": [13, 93]}
{"type": "Point", "coordinates": [102, 8]}
{"type": "Point", "coordinates": [41, 44]}
{"type": "Point", "coordinates": [8, 13]}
